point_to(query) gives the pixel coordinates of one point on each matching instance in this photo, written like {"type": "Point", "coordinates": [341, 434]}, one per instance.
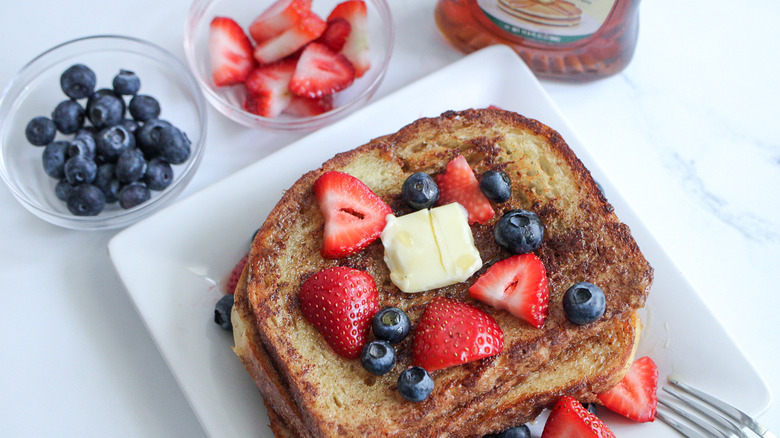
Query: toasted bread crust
{"type": "Point", "coordinates": [584, 240]}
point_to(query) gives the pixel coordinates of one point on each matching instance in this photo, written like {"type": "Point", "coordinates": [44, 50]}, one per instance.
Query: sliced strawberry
{"type": "Point", "coordinates": [356, 48]}
{"type": "Point", "coordinates": [305, 107]}
{"type": "Point", "coordinates": [635, 396]}
{"type": "Point", "coordinates": [458, 184]}
{"type": "Point", "coordinates": [230, 51]}
{"type": "Point", "coordinates": [320, 72]}
{"type": "Point", "coordinates": [452, 333]}
{"type": "Point", "coordinates": [340, 302]}
{"type": "Point", "coordinates": [280, 16]}
{"type": "Point", "coordinates": [335, 35]}
{"type": "Point", "coordinates": [517, 284]}
{"type": "Point", "coordinates": [354, 215]}
{"type": "Point", "coordinates": [235, 275]}
{"type": "Point", "coordinates": [568, 418]}
{"type": "Point", "coordinates": [309, 28]}
{"type": "Point", "coordinates": [268, 87]}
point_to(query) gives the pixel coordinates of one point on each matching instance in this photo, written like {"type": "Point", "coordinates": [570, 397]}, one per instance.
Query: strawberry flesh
{"type": "Point", "coordinates": [635, 396]}
{"type": "Point", "coordinates": [268, 88]}
{"type": "Point", "coordinates": [517, 284]}
{"type": "Point", "coordinates": [340, 303]}
{"type": "Point", "coordinates": [230, 52]}
{"type": "Point", "coordinates": [458, 184]}
{"type": "Point", "coordinates": [320, 72]}
{"type": "Point", "coordinates": [568, 418]}
{"type": "Point", "coordinates": [309, 28]}
{"type": "Point", "coordinates": [354, 215]}
{"type": "Point", "coordinates": [235, 275]}
{"type": "Point", "coordinates": [305, 107]}
{"type": "Point", "coordinates": [451, 333]}
{"type": "Point", "coordinates": [279, 17]}
{"type": "Point", "coordinates": [335, 35]}
{"type": "Point", "coordinates": [356, 47]}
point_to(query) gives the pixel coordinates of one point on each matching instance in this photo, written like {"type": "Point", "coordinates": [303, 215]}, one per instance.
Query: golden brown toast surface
{"type": "Point", "coordinates": [584, 241]}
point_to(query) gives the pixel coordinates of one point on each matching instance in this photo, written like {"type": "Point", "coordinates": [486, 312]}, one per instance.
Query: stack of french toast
{"type": "Point", "coordinates": [312, 391]}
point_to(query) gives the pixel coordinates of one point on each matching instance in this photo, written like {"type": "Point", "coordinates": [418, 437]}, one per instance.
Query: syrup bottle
{"type": "Point", "coordinates": [567, 40]}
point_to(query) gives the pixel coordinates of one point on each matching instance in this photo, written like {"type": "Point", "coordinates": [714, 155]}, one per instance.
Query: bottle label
{"type": "Point", "coordinates": [549, 21]}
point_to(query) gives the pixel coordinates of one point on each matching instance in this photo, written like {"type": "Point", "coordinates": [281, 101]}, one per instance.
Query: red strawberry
{"type": "Point", "coordinates": [517, 284]}
{"type": "Point", "coordinates": [235, 275]}
{"type": "Point", "coordinates": [635, 396]}
{"type": "Point", "coordinates": [335, 35]}
{"type": "Point", "coordinates": [356, 48]}
{"type": "Point", "coordinates": [268, 88]}
{"type": "Point", "coordinates": [309, 28]}
{"type": "Point", "coordinates": [340, 302]}
{"type": "Point", "coordinates": [280, 16]}
{"type": "Point", "coordinates": [305, 107]}
{"type": "Point", "coordinates": [458, 184]}
{"type": "Point", "coordinates": [354, 215]}
{"type": "Point", "coordinates": [452, 333]}
{"type": "Point", "coordinates": [320, 72]}
{"type": "Point", "coordinates": [568, 418]}
{"type": "Point", "coordinates": [230, 51]}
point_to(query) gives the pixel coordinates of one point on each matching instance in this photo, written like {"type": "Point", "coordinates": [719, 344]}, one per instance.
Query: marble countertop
{"type": "Point", "coordinates": [688, 134]}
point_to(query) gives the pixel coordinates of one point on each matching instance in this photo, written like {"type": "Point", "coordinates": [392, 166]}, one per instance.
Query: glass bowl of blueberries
{"type": "Point", "coordinates": [99, 132]}
{"type": "Point", "coordinates": [288, 65]}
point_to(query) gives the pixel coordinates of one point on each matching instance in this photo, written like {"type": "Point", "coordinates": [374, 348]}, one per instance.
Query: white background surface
{"type": "Point", "coordinates": [688, 133]}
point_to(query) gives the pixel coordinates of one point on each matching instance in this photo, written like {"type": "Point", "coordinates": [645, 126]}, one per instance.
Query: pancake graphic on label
{"type": "Point", "coordinates": [545, 12]}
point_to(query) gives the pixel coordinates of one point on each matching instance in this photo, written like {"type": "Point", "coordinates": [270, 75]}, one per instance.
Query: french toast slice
{"type": "Point", "coordinates": [584, 241]}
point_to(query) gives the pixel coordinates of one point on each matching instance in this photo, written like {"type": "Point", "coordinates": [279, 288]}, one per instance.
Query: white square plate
{"type": "Point", "coordinates": [174, 263]}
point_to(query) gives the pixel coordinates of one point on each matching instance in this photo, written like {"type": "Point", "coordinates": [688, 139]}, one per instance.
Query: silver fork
{"type": "Point", "coordinates": [710, 416]}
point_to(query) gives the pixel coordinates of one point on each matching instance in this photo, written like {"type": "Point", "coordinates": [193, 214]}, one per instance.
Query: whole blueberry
{"type": "Point", "coordinates": [80, 170]}
{"type": "Point", "coordinates": [420, 191]}
{"type": "Point", "coordinates": [54, 156]}
{"type": "Point", "coordinates": [590, 407]}
{"type": "Point", "coordinates": [512, 432]}
{"type": "Point", "coordinates": [135, 193]}
{"type": "Point", "coordinates": [415, 384]}
{"type": "Point", "coordinates": [40, 131]}
{"type": "Point", "coordinates": [63, 189]}
{"type": "Point", "coordinates": [105, 110]}
{"type": "Point", "coordinates": [130, 124]}
{"type": "Point", "coordinates": [106, 92]}
{"type": "Point", "coordinates": [519, 231]}
{"type": "Point", "coordinates": [68, 116]}
{"type": "Point", "coordinates": [391, 324]}
{"type": "Point", "coordinates": [131, 165]}
{"type": "Point", "coordinates": [378, 357]}
{"type": "Point", "coordinates": [86, 200]}
{"type": "Point", "coordinates": [159, 174]}
{"type": "Point", "coordinates": [78, 81]}
{"type": "Point", "coordinates": [222, 312]}
{"type": "Point", "coordinates": [83, 144]}
{"type": "Point", "coordinates": [126, 82]}
{"type": "Point", "coordinates": [143, 107]}
{"type": "Point", "coordinates": [496, 185]}
{"type": "Point", "coordinates": [112, 141]}
{"type": "Point", "coordinates": [106, 181]}
{"type": "Point", "coordinates": [174, 145]}
{"type": "Point", "coordinates": [148, 137]}
{"type": "Point", "coordinates": [584, 303]}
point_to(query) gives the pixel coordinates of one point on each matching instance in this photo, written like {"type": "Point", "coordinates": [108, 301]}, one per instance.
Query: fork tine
{"type": "Point", "coordinates": [731, 411]}
{"type": "Point", "coordinates": [676, 425]}
{"type": "Point", "coordinates": [706, 411]}
{"type": "Point", "coordinates": [699, 422]}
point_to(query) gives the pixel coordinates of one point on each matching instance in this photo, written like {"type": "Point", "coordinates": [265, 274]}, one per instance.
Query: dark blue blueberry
{"type": "Point", "coordinates": [86, 200]}
{"type": "Point", "coordinates": [174, 145]}
{"type": "Point", "coordinates": [126, 82]}
{"type": "Point", "coordinates": [420, 191]}
{"type": "Point", "coordinates": [496, 185]}
{"type": "Point", "coordinates": [54, 156]}
{"type": "Point", "coordinates": [415, 384]}
{"type": "Point", "coordinates": [519, 231]}
{"type": "Point", "coordinates": [148, 137]}
{"type": "Point", "coordinates": [107, 182]}
{"type": "Point", "coordinates": [40, 131]}
{"type": "Point", "coordinates": [63, 189]}
{"type": "Point", "coordinates": [112, 141]}
{"type": "Point", "coordinates": [130, 124]}
{"type": "Point", "coordinates": [391, 324]}
{"type": "Point", "coordinates": [133, 194]}
{"type": "Point", "coordinates": [105, 110]}
{"type": "Point", "coordinates": [378, 357]}
{"type": "Point", "coordinates": [584, 303]}
{"type": "Point", "coordinates": [78, 81]}
{"type": "Point", "coordinates": [68, 116]}
{"type": "Point", "coordinates": [143, 107]}
{"type": "Point", "coordinates": [159, 174]}
{"type": "Point", "coordinates": [512, 432]}
{"type": "Point", "coordinates": [83, 144]}
{"type": "Point", "coordinates": [80, 170]}
{"type": "Point", "coordinates": [590, 407]}
{"type": "Point", "coordinates": [131, 166]}
{"type": "Point", "coordinates": [222, 312]}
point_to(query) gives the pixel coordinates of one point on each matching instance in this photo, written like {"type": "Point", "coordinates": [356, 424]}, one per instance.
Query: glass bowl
{"type": "Point", "coordinates": [229, 100]}
{"type": "Point", "coordinates": [35, 91]}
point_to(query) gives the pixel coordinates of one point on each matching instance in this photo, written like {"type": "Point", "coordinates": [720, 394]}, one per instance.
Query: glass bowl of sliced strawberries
{"type": "Point", "coordinates": [288, 64]}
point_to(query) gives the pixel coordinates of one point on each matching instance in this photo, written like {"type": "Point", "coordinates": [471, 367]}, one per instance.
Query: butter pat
{"type": "Point", "coordinates": [429, 249]}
